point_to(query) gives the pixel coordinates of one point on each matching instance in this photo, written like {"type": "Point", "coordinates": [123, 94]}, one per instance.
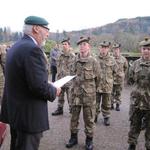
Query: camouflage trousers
{"type": "Point", "coordinates": [88, 117]}
{"type": "Point", "coordinates": [136, 121]}
{"type": "Point", "coordinates": [103, 100]}
{"type": "Point", "coordinates": [61, 98]}
{"type": "Point", "coordinates": [116, 94]}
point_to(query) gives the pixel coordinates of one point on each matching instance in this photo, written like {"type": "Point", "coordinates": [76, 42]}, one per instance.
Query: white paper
{"type": "Point", "coordinates": [62, 81]}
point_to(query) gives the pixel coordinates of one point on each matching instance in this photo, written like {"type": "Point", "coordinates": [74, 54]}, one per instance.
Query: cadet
{"type": "Point", "coordinates": [84, 93]}
{"type": "Point", "coordinates": [65, 61]}
{"type": "Point", "coordinates": [139, 76]}
{"type": "Point", "coordinates": [108, 69]}
{"type": "Point", "coordinates": [119, 78]}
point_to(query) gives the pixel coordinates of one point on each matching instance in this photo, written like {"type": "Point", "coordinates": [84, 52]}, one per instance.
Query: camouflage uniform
{"type": "Point", "coordinates": [2, 63]}
{"type": "Point", "coordinates": [64, 64]}
{"type": "Point", "coordinates": [139, 74]}
{"type": "Point", "coordinates": [119, 79]}
{"type": "Point", "coordinates": [84, 93]}
{"type": "Point", "coordinates": [108, 69]}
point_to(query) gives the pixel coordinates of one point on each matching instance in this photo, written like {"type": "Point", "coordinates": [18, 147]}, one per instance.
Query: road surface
{"type": "Point", "coordinates": [113, 137]}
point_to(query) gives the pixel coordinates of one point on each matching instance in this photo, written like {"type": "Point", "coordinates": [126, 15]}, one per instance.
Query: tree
{"type": "Point", "coordinates": [49, 45]}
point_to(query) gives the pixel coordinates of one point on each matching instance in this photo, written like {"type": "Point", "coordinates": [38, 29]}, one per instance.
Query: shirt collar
{"type": "Point", "coordinates": [33, 39]}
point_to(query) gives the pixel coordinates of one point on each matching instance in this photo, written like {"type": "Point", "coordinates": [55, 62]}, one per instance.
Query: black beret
{"type": "Point", "coordinates": [66, 40]}
{"type": "Point", "coordinates": [116, 45]}
{"type": "Point", "coordinates": [145, 42]}
{"type": "Point", "coordinates": [83, 39]}
{"type": "Point", "coordinates": [105, 44]}
{"type": "Point", "coordinates": [35, 20]}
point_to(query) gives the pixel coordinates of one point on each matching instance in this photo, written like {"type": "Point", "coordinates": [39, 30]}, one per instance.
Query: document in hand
{"type": "Point", "coordinates": [64, 80]}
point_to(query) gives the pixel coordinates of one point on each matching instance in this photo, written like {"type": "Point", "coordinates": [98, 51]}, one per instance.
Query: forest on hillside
{"type": "Point", "coordinates": [127, 32]}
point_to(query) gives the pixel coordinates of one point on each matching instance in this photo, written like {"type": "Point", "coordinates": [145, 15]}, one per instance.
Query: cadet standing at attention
{"type": "Point", "coordinates": [139, 76]}
{"type": "Point", "coordinates": [108, 69]}
{"type": "Point", "coordinates": [84, 93]}
{"type": "Point", "coordinates": [119, 78]}
{"type": "Point", "coordinates": [65, 61]}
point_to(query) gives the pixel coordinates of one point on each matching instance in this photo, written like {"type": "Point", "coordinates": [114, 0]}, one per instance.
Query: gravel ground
{"type": "Point", "coordinates": [113, 137]}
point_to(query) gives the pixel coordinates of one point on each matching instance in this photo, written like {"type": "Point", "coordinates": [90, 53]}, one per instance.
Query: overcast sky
{"type": "Point", "coordinates": [71, 15]}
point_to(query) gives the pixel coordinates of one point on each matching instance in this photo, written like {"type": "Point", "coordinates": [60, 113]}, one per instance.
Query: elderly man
{"type": "Point", "coordinates": [27, 90]}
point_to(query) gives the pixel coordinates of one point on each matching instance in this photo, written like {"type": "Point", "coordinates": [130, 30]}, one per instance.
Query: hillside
{"type": "Point", "coordinates": [126, 31]}
{"type": "Point", "coordinates": [136, 25]}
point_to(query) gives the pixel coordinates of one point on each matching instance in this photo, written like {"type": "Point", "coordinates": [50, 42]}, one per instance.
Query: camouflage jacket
{"type": "Point", "coordinates": [108, 69]}
{"type": "Point", "coordinates": [122, 68]}
{"type": "Point", "coordinates": [139, 75]}
{"type": "Point", "coordinates": [64, 63]}
{"type": "Point", "coordinates": [2, 61]}
{"type": "Point", "coordinates": [85, 83]}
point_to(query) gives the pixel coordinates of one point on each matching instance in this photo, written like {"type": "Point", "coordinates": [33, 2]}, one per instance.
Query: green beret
{"type": "Point", "coordinates": [105, 44]}
{"type": "Point", "coordinates": [116, 45]}
{"type": "Point", "coordinates": [35, 20]}
{"type": "Point", "coordinates": [66, 40]}
{"type": "Point", "coordinates": [145, 42]}
{"type": "Point", "coordinates": [83, 39]}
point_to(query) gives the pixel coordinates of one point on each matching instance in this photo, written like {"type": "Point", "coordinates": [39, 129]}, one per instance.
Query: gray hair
{"type": "Point", "coordinates": [27, 29]}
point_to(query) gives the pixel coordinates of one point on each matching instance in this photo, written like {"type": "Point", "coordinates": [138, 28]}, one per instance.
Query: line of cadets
{"type": "Point", "coordinates": [99, 83]}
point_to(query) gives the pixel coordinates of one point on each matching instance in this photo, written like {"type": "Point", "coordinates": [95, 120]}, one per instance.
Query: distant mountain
{"type": "Point", "coordinates": [126, 31]}
{"type": "Point", "coordinates": [136, 25]}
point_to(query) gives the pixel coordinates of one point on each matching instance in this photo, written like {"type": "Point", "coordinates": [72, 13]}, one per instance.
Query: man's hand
{"type": "Point", "coordinates": [58, 91]}
{"type": "Point", "coordinates": [57, 88]}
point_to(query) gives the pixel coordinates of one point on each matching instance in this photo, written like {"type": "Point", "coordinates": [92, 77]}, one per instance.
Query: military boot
{"type": "Point", "coordinates": [95, 120]}
{"type": "Point", "coordinates": [89, 143]}
{"type": "Point", "coordinates": [107, 121]}
{"type": "Point", "coordinates": [132, 147]}
{"type": "Point", "coordinates": [58, 111]}
{"type": "Point", "coordinates": [72, 141]}
{"type": "Point", "coordinates": [117, 107]}
{"type": "Point", "coordinates": [112, 106]}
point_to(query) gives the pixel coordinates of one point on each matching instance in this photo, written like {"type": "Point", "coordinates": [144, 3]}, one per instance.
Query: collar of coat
{"type": "Point", "coordinates": [80, 59]}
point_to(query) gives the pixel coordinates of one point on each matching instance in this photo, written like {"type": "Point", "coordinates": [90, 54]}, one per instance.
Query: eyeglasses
{"type": "Point", "coordinates": [44, 27]}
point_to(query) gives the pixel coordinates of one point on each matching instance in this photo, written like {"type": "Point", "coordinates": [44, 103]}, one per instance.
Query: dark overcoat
{"type": "Point", "coordinates": [27, 90]}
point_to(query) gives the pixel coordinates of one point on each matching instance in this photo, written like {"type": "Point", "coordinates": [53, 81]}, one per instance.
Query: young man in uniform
{"type": "Point", "coordinates": [119, 78]}
{"type": "Point", "coordinates": [108, 68]}
{"type": "Point", "coordinates": [139, 113]}
{"type": "Point", "coordinates": [84, 93]}
{"type": "Point", "coordinates": [64, 63]}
